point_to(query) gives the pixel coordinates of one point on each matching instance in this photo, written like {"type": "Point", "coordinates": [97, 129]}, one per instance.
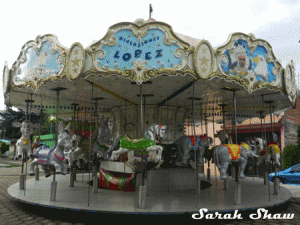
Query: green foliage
{"type": "Point", "coordinates": [298, 137]}
{"type": "Point", "coordinates": [4, 148]}
{"type": "Point", "coordinates": [8, 116]}
{"type": "Point", "coordinates": [290, 156]}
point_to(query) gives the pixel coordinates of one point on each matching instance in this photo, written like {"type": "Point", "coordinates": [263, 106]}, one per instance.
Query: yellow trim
{"type": "Point", "coordinates": [112, 93]}
{"type": "Point", "coordinates": [25, 141]}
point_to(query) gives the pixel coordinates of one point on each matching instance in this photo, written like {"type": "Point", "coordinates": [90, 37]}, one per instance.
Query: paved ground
{"type": "Point", "coordinates": [13, 212]}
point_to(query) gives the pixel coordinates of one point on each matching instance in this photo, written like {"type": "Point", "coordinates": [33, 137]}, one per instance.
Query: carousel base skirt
{"type": "Point", "coordinates": [173, 196]}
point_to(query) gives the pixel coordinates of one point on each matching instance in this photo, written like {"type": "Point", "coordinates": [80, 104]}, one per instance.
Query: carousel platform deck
{"type": "Point", "coordinates": [173, 196]}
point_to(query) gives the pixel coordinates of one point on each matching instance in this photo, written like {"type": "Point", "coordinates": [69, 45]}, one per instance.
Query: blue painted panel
{"type": "Point", "coordinates": [128, 50]}
{"type": "Point", "coordinates": [40, 64]}
{"type": "Point", "coordinates": [257, 63]}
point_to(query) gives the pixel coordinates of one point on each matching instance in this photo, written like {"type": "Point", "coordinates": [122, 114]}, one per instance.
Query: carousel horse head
{"type": "Point", "coordinates": [160, 131]}
{"type": "Point", "coordinates": [73, 154]}
{"type": "Point", "coordinates": [260, 144]}
{"type": "Point", "coordinates": [36, 142]}
{"type": "Point", "coordinates": [64, 137]}
{"type": "Point", "coordinates": [274, 137]}
{"type": "Point", "coordinates": [222, 135]}
{"type": "Point", "coordinates": [207, 141]}
{"type": "Point", "coordinates": [104, 132]}
{"type": "Point", "coordinates": [26, 128]}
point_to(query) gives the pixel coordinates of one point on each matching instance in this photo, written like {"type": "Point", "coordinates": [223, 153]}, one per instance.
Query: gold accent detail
{"type": "Point", "coordinates": [133, 140]}
{"type": "Point", "coordinates": [203, 70]}
{"type": "Point", "coordinates": [139, 33]}
{"type": "Point", "coordinates": [204, 61]}
{"type": "Point", "coordinates": [167, 41]}
{"type": "Point", "coordinates": [112, 93]}
{"type": "Point", "coordinates": [76, 62]}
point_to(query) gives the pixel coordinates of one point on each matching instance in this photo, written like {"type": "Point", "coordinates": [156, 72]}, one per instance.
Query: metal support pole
{"type": "Point", "coordinates": [276, 182]}
{"type": "Point", "coordinates": [142, 197]}
{"type": "Point", "coordinates": [208, 163]}
{"type": "Point", "coordinates": [262, 137]}
{"type": "Point", "coordinates": [74, 173]}
{"type": "Point", "coordinates": [142, 114]}
{"type": "Point", "coordinates": [197, 164]}
{"type": "Point", "coordinates": [224, 129]}
{"type": "Point", "coordinates": [56, 119]}
{"type": "Point", "coordinates": [214, 141]}
{"type": "Point", "coordinates": [24, 154]}
{"type": "Point", "coordinates": [37, 173]}
{"type": "Point", "coordinates": [234, 106]}
{"type": "Point", "coordinates": [95, 175]}
{"type": "Point", "coordinates": [226, 184]}
{"type": "Point", "coordinates": [276, 186]}
{"type": "Point", "coordinates": [237, 187]}
{"type": "Point", "coordinates": [53, 188]}
{"type": "Point", "coordinates": [71, 176]}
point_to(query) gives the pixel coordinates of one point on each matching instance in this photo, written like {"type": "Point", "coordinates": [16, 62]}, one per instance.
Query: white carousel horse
{"type": "Point", "coordinates": [147, 143]}
{"type": "Point", "coordinates": [268, 151]}
{"type": "Point", "coordinates": [72, 155]}
{"type": "Point", "coordinates": [191, 148]}
{"type": "Point", "coordinates": [100, 144]}
{"type": "Point", "coordinates": [24, 143]}
{"type": "Point", "coordinates": [55, 156]}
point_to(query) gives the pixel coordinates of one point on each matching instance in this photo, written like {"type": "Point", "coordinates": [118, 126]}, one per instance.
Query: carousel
{"type": "Point", "coordinates": [123, 104]}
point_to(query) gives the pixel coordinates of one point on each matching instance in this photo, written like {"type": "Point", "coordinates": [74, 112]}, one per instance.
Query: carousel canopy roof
{"type": "Point", "coordinates": [148, 57]}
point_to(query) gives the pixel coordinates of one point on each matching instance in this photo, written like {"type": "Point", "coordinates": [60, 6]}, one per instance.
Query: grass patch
{"type": "Point", "coordinates": [9, 165]}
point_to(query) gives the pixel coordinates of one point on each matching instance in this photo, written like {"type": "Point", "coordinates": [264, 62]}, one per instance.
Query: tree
{"type": "Point", "coordinates": [8, 116]}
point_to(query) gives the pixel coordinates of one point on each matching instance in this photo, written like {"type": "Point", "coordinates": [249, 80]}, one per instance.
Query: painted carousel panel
{"type": "Point", "coordinates": [140, 52]}
{"type": "Point", "coordinates": [39, 61]}
{"type": "Point", "coordinates": [250, 63]}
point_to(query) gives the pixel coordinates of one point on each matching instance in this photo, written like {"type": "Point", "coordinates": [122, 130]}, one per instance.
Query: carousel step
{"type": "Point", "coordinates": [116, 167]}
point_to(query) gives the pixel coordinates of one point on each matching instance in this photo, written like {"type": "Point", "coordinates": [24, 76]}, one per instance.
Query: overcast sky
{"type": "Point", "coordinates": [83, 21]}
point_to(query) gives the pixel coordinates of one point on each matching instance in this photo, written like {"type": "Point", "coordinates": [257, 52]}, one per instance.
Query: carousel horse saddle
{"type": "Point", "coordinates": [275, 147]}
{"type": "Point", "coordinates": [135, 143]}
{"type": "Point", "coordinates": [234, 150]}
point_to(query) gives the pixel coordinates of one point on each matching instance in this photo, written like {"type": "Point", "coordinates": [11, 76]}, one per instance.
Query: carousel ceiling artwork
{"type": "Point", "coordinates": [250, 62]}
{"type": "Point", "coordinates": [40, 60]}
{"type": "Point", "coordinates": [170, 69]}
{"type": "Point", "coordinates": [140, 51]}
